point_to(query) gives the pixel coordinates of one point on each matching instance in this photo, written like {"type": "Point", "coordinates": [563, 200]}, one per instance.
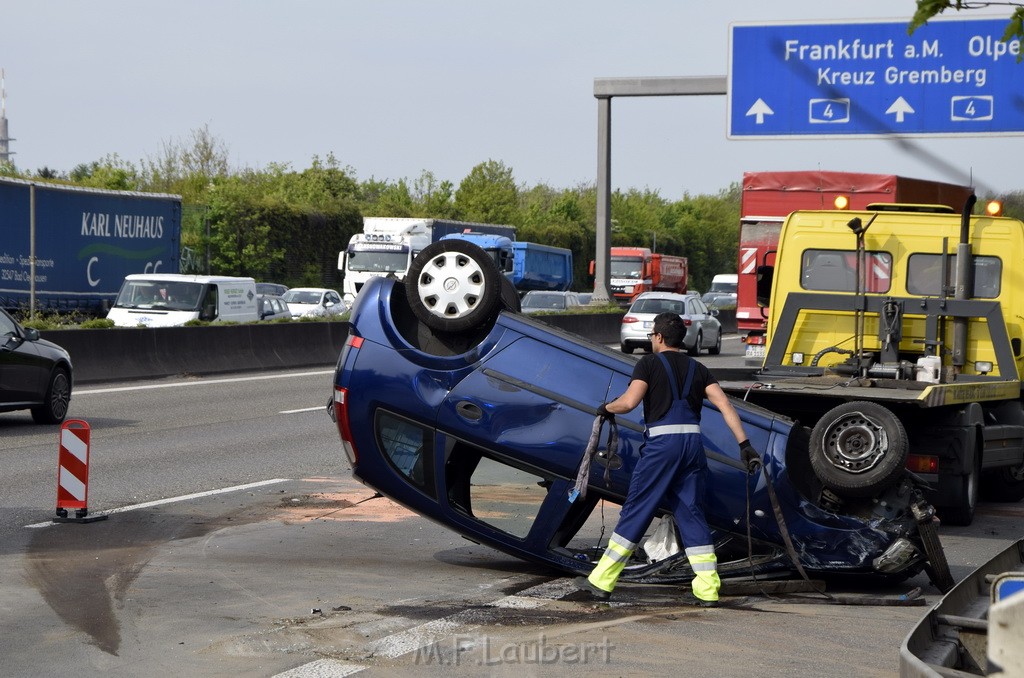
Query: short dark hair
{"type": "Point", "coordinates": [671, 328]}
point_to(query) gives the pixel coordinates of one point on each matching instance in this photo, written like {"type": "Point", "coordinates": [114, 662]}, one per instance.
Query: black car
{"type": "Point", "coordinates": [35, 374]}
{"type": "Point", "coordinates": [274, 289]}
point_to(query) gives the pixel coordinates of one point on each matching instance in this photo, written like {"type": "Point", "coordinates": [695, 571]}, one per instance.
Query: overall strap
{"type": "Point", "coordinates": [672, 378]}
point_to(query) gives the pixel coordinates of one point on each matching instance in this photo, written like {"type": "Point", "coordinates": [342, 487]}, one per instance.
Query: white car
{"type": "Point", "coordinates": [305, 302]}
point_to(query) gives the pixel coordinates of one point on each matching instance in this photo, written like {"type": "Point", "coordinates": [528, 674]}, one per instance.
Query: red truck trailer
{"type": "Point", "coordinates": [637, 269]}
{"type": "Point", "coordinates": [768, 197]}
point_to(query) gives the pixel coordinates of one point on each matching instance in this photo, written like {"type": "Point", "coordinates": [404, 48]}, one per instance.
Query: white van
{"type": "Point", "coordinates": [168, 299]}
{"type": "Point", "coordinates": [724, 283]}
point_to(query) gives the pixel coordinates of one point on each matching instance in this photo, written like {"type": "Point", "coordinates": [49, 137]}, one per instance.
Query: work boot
{"type": "Point", "coordinates": [583, 584]}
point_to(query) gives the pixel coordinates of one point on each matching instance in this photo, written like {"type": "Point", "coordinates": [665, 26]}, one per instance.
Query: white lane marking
{"type": "Point", "coordinates": [199, 382]}
{"type": "Point", "coordinates": [418, 637]}
{"type": "Point", "coordinates": [322, 668]}
{"type": "Point", "coordinates": [304, 409]}
{"type": "Point", "coordinates": [172, 500]}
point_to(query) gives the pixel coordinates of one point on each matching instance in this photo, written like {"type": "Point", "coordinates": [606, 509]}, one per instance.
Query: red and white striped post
{"type": "Point", "coordinates": [73, 473]}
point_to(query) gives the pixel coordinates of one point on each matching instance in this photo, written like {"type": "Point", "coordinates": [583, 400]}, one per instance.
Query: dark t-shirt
{"type": "Point", "coordinates": [658, 399]}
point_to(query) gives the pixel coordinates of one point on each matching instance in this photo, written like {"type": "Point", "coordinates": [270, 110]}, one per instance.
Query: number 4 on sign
{"type": "Point", "coordinates": [759, 110]}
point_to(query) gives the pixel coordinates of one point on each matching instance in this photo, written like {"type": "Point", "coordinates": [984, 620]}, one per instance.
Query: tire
{"type": "Point", "coordinates": [961, 509]}
{"type": "Point", "coordinates": [695, 351]}
{"type": "Point", "coordinates": [510, 296]}
{"type": "Point", "coordinates": [453, 286]}
{"type": "Point", "coordinates": [58, 398]}
{"type": "Point", "coordinates": [627, 349]}
{"type": "Point", "coordinates": [1004, 485]}
{"type": "Point", "coordinates": [717, 348]}
{"type": "Point", "coordinates": [858, 449]}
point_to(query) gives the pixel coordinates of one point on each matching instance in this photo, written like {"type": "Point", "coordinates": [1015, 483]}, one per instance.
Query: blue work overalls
{"type": "Point", "coordinates": [672, 466]}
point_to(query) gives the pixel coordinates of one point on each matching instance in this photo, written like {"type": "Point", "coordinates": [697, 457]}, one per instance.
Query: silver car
{"type": "Point", "coordinates": [702, 327]}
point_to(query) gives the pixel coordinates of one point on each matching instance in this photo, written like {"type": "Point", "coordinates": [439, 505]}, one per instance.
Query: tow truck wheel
{"type": "Point", "coordinates": [1005, 484]}
{"type": "Point", "coordinates": [858, 449]}
{"type": "Point", "coordinates": [962, 513]}
{"type": "Point", "coordinates": [453, 286]}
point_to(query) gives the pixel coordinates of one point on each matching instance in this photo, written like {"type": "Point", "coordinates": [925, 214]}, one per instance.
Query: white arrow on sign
{"type": "Point", "coordinates": [900, 107]}
{"type": "Point", "coordinates": [760, 109]}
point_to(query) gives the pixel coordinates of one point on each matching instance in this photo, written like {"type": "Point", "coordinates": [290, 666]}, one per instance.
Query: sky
{"type": "Point", "coordinates": [395, 87]}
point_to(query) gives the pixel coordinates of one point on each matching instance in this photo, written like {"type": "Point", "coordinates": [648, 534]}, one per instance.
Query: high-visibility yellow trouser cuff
{"type": "Point", "coordinates": [706, 583]}
{"type": "Point", "coordinates": [612, 563]}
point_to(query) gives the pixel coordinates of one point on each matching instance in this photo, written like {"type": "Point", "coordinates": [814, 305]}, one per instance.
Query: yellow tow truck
{"type": "Point", "coordinates": [896, 332]}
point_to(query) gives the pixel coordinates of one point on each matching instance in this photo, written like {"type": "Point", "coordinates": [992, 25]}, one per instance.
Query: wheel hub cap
{"type": "Point", "coordinates": [855, 443]}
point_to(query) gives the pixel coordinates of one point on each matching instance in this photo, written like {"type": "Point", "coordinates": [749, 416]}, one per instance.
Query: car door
{"type": "Point", "coordinates": [514, 433]}
{"type": "Point", "coordinates": [23, 371]}
{"type": "Point", "coordinates": [701, 315]}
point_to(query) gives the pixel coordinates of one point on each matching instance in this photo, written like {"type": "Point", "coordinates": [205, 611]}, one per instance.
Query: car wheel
{"type": "Point", "coordinates": [627, 348]}
{"type": "Point", "coordinates": [717, 348]}
{"type": "Point", "coordinates": [453, 286]}
{"type": "Point", "coordinates": [1004, 485]}
{"type": "Point", "coordinates": [695, 350]}
{"type": "Point", "coordinates": [58, 397]}
{"type": "Point", "coordinates": [510, 296]}
{"type": "Point", "coordinates": [961, 509]}
{"type": "Point", "coordinates": [858, 449]}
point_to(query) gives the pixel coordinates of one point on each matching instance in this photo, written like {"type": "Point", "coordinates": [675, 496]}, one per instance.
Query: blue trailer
{"type": "Point", "coordinates": [84, 242]}
{"type": "Point", "coordinates": [529, 265]}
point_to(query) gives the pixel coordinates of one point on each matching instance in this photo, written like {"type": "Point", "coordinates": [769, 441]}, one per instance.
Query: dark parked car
{"type": "Point", "coordinates": [35, 374]}
{"type": "Point", "coordinates": [483, 431]}
{"type": "Point", "coordinates": [271, 288]}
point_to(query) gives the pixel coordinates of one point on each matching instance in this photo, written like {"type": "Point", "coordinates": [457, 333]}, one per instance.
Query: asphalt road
{"type": "Point", "coordinates": [303, 571]}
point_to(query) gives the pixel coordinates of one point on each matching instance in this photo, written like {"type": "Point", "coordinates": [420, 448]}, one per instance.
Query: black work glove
{"type": "Point", "coordinates": [749, 456]}
{"type": "Point", "coordinates": [602, 410]}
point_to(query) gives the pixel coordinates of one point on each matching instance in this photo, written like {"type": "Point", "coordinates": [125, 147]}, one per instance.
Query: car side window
{"type": "Point", "coordinates": [407, 447]}
{"type": "Point", "coordinates": [7, 326]}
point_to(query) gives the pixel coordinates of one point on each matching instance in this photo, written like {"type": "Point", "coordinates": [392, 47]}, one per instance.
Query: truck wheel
{"type": "Point", "coordinates": [453, 286]}
{"type": "Point", "coordinates": [510, 296]}
{"type": "Point", "coordinates": [58, 397]}
{"type": "Point", "coordinates": [717, 348]}
{"type": "Point", "coordinates": [961, 508]}
{"type": "Point", "coordinates": [858, 449]}
{"type": "Point", "coordinates": [696, 345]}
{"type": "Point", "coordinates": [1005, 484]}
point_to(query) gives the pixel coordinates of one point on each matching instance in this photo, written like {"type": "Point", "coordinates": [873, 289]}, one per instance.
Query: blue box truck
{"type": "Point", "coordinates": [529, 265]}
{"type": "Point", "coordinates": [84, 241]}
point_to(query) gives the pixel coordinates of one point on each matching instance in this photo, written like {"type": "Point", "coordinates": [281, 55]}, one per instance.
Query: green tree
{"type": "Point", "coordinates": [928, 9]}
{"type": "Point", "coordinates": [488, 195]}
{"type": "Point", "coordinates": [111, 172]}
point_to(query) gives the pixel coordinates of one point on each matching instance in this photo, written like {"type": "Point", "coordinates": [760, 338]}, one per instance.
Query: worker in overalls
{"type": "Point", "coordinates": [672, 467]}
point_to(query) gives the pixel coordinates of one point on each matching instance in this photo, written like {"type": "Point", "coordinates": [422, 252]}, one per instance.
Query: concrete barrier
{"type": "Point", "coordinates": [144, 353]}
{"type": "Point", "coordinates": [130, 353]}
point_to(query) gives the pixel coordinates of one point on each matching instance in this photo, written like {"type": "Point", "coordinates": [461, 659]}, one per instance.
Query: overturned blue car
{"type": "Point", "coordinates": [453, 404]}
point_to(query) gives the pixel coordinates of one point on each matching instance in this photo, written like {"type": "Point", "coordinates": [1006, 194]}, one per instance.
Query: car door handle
{"type": "Point", "coordinates": [468, 410]}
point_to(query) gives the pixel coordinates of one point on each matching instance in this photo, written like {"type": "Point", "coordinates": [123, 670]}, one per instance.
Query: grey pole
{"type": "Point", "coordinates": [604, 90]}
{"type": "Point", "coordinates": [32, 251]}
{"type": "Point", "coordinates": [602, 273]}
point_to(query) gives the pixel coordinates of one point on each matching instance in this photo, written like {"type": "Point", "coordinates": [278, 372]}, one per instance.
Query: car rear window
{"type": "Point", "coordinates": [657, 306]}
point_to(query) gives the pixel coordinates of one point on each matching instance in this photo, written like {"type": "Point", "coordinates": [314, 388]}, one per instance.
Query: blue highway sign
{"type": "Point", "coordinates": [873, 79]}
{"type": "Point", "coordinates": [1006, 585]}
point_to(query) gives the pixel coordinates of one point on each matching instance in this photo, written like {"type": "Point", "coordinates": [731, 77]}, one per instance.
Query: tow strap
{"type": "Point", "coordinates": [579, 490]}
